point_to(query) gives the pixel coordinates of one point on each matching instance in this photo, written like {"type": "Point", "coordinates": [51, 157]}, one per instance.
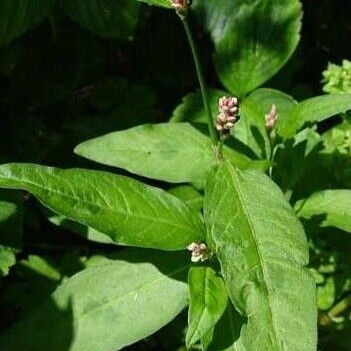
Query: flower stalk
{"type": "Point", "coordinates": [182, 11]}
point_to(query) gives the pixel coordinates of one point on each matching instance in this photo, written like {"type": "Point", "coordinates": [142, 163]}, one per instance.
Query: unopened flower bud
{"type": "Point", "coordinates": [271, 118]}
{"type": "Point", "coordinates": [228, 114]}
{"type": "Point", "coordinates": [180, 6]}
{"type": "Point", "coordinates": [199, 252]}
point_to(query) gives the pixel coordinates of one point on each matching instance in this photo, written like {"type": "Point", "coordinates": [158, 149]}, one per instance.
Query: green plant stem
{"type": "Point", "coordinates": [336, 310]}
{"type": "Point", "coordinates": [200, 76]}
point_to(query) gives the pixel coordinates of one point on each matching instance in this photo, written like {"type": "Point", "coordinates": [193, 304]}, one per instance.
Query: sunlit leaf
{"type": "Point", "coordinates": [208, 301]}
{"type": "Point", "coordinates": [331, 208]}
{"type": "Point", "coordinates": [262, 250]}
{"type": "Point", "coordinates": [313, 110]}
{"type": "Point", "coordinates": [129, 212]}
{"type": "Point", "coordinates": [107, 306]}
{"type": "Point", "coordinates": [172, 152]}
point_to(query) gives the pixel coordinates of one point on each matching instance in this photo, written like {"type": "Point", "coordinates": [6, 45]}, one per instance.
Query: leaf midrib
{"type": "Point", "coordinates": [236, 185]}
{"type": "Point", "coordinates": [107, 208]}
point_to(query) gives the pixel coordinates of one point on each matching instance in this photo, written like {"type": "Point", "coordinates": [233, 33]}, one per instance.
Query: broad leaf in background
{"type": "Point", "coordinates": [251, 129]}
{"type": "Point", "coordinates": [313, 110]}
{"type": "Point", "coordinates": [162, 3]}
{"type": "Point", "coordinates": [107, 306]}
{"type": "Point", "coordinates": [11, 218]}
{"type": "Point", "coordinates": [105, 18]}
{"type": "Point", "coordinates": [18, 16]}
{"type": "Point", "coordinates": [80, 229]}
{"type": "Point", "coordinates": [291, 158]}
{"type": "Point", "coordinates": [332, 208]}
{"type": "Point", "coordinates": [128, 211]}
{"type": "Point", "coordinates": [11, 228]}
{"type": "Point", "coordinates": [208, 301]}
{"type": "Point", "coordinates": [172, 152]}
{"type": "Point", "coordinates": [262, 250]}
{"type": "Point", "coordinates": [191, 109]}
{"type": "Point", "coordinates": [253, 39]}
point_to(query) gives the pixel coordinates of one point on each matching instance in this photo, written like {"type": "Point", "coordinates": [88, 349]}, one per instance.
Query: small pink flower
{"type": "Point", "coordinates": [271, 118]}
{"type": "Point", "coordinates": [199, 252]}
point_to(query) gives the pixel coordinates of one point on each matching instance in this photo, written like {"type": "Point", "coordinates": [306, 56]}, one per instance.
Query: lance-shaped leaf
{"type": "Point", "coordinates": [313, 110]}
{"type": "Point", "coordinates": [172, 152]}
{"type": "Point", "coordinates": [18, 16]}
{"type": "Point", "coordinates": [262, 250]}
{"type": "Point", "coordinates": [255, 42]}
{"type": "Point", "coordinates": [107, 306]}
{"type": "Point", "coordinates": [331, 207]}
{"type": "Point", "coordinates": [105, 18]}
{"type": "Point", "coordinates": [208, 301]}
{"type": "Point", "coordinates": [128, 211]}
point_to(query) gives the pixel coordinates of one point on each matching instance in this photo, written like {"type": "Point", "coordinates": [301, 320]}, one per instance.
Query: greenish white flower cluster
{"type": "Point", "coordinates": [337, 79]}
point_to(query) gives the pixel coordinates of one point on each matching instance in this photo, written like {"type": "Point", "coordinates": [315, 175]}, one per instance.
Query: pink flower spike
{"type": "Point", "coordinates": [228, 114]}
{"type": "Point", "coordinates": [271, 118]}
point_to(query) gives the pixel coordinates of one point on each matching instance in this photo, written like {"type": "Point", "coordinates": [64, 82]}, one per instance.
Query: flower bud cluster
{"type": "Point", "coordinates": [228, 114]}
{"type": "Point", "coordinates": [199, 252]}
{"type": "Point", "coordinates": [271, 118]}
{"type": "Point", "coordinates": [180, 5]}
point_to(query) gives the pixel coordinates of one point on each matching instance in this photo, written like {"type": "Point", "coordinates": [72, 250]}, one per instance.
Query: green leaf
{"type": "Point", "coordinates": [107, 306]}
{"type": "Point", "coordinates": [42, 267]}
{"type": "Point", "coordinates": [326, 294]}
{"type": "Point", "coordinates": [313, 110]}
{"type": "Point", "coordinates": [128, 211]}
{"type": "Point", "coordinates": [105, 18]}
{"type": "Point", "coordinates": [11, 219]}
{"type": "Point", "coordinates": [18, 16]}
{"type": "Point", "coordinates": [262, 250]}
{"type": "Point", "coordinates": [172, 152]}
{"type": "Point", "coordinates": [184, 192]}
{"type": "Point", "coordinates": [332, 208]}
{"type": "Point", "coordinates": [256, 42]}
{"type": "Point", "coordinates": [208, 301]}
{"type": "Point", "coordinates": [189, 195]}
{"type": "Point", "coordinates": [7, 259]}
{"type": "Point", "coordinates": [215, 16]}
{"type": "Point", "coordinates": [192, 110]}
{"type": "Point", "coordinates": [292, 157]}
{"type": "Point", "coordinates": [227, 331]}
{"type": "Point", "coordinates": [162, 3]}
